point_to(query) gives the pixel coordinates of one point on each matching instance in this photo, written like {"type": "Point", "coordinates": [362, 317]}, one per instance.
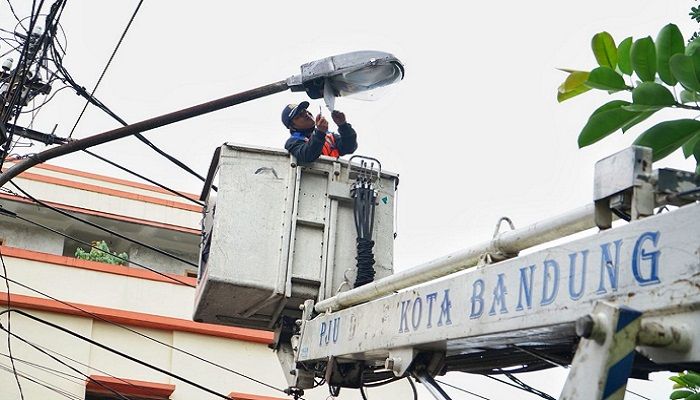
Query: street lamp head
{"type": "Point", "coordinates": [347, 74]}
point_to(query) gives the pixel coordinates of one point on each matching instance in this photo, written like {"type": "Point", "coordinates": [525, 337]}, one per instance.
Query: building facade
{"type": "Point", "coordinates": [99, 309]}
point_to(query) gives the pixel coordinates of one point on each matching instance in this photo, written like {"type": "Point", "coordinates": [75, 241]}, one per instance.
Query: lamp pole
{"type": "Point", "coordinates": [314, 76]}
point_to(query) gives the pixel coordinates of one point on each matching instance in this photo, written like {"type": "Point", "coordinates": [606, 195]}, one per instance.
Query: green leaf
{"type": "Point", "coordinates": [690, 146]}
{"type": "Point", "coordinates": [573, 93]}
{"type": "Point", "coordinates": [573, 85]}
{"type": "Point", "coordinates": [678, 381]}
{"type": "Point", "coordinates": [643, 58]}
{"type": "Point", "coordinates": [652, 94]}
{"type": "Point", "coordinates": [641, 116]}
{"type": "Point", "coordinates": [692, 378]}
{"type": "Point", "coordinates": [605, 78]}
{"type": "Point", "coordinates": [574, 81]}
{"type": "Point", "coordinates": [685, 70]}
{"type": "Point", "coordinates": [664, 138]}
{"type": "Point", "coordinates": [668, 43]}
{"type": "Point", "coordinates": [604, 49]}
{"type": "Point", "coordinates": [692, 47]}
{"type": "Point", "coordinates": [605, 120]}
{"type": "Point", "coordinates": [650, 97]}
{"type": "Point", "coordinates": [695, 396]}
{"type": "Point", "coordinates": [688, 96]}
{"type": "Point", "coordinates": [623, 56]}
{"type": "Point", "coordinates": [680, 394]}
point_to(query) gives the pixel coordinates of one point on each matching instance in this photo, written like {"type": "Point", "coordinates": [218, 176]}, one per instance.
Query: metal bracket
{"type": "Point", "coordinates": [400, 359]}
{"type": "Point", "coordinates": [605, 355]}
{"type": "Point", "coordinates": [288, 353]}
{"type": "Point", "coordinates": [622, 185]}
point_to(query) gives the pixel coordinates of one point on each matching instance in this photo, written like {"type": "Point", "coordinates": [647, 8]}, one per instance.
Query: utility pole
{"type": "Point", "coordinates": [20, 83]}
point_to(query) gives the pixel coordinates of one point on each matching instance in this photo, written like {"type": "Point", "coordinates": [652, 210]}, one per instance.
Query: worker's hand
{"type": "Point", "coordinates": [338, 117]}
{"type": "Point", "coordinates": [321, 123]}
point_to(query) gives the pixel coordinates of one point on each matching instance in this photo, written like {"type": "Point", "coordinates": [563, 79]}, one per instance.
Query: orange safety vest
{"type": "Point", "coordinates": [329, 147]}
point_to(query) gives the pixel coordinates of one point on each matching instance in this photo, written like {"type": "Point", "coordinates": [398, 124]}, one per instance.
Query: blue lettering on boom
{"type": "Point", "coordinates": [642, 263]}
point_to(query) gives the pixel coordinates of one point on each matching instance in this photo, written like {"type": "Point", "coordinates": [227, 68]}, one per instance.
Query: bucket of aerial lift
{"type": "Point", "coordinates": [276, 234]}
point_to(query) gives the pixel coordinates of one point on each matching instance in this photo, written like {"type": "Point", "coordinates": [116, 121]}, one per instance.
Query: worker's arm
{"type": "Point", "coordinates": [346, 141]}
{"type": "Point", "coordinates": [306, 151]}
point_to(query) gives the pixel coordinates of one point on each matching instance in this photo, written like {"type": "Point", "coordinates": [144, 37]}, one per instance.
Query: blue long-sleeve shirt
{"type": "Point", "coordinates": [308, 149]}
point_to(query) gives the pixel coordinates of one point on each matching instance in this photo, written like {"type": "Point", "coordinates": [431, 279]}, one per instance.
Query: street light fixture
{"type": "Point", "coordinates": [339, 75]}
{"type": "Point", "coordinates": [347, 74]}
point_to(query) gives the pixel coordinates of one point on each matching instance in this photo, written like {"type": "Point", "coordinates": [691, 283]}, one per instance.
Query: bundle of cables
{"type": "Point", "coordinates": [365, 198]}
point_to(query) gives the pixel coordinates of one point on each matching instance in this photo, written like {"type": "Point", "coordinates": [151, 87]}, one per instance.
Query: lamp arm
{"type": "Point", "coordinates": [142, 126]}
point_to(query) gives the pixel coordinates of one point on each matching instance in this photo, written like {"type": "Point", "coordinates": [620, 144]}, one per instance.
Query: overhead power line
{"type": "Point", "coordinates": [15, 215]}
{"type": "Point", "coordinates": [102, 228]}
{"type": "Point", "coordinates": [52, 45]}
{"type": "Point", "coordinates": [51, 138]}
{"type": "Point", "coordinates": [114, 351]}
{"type": "Point", "coordinates": [525, 389]}
{"type": "Point", "coordinates": [40, 382]}
{"type": "Point", "coordinates": [12, 9]}
{"type": "Point", "coordinates": [55, 372]}
{"type": "Point", "coordinates": [9, 325]}
{"type": "Point", "coordinates": [151, 181]}
{"type": "Point", "coordinates": [104, 70]}
{"type": "Point", "coordinates": [83, 364]}
{"type": "Point", "coordinates": [143, 335]}
{"type": "Point", "coordinates": [39, 349]}
{"type": "Point", "coordinates": [462, 390]}
{"type": "Point", "coordinates": [16, 90]}
{"type": "Point", "coordinates": [142, 126]}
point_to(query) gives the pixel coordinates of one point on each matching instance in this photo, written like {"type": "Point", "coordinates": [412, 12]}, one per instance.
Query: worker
{"type": "Point", "coordinates": [310, 138]}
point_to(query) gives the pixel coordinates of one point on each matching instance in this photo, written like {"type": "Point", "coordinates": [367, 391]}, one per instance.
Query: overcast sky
{"type": "Point", "coordinates": [474, 130]}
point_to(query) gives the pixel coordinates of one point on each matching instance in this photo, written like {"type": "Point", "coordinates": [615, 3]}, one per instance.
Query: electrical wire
{"type": "Point", "coordinates": [17, 100]}
{"type": "Point", "coordinates": [10, 51]}
{"type": "Point", "coordinates": [43, 383]}
{"type": "Point", "coordinates": [520, 385]}
{"type": "Point", "coordinates": [463, 390]}
{"type": "Point", "coordinates": [558, 364]}
{"type": "Point", "coordinates": [102, 228]}
{"type": "Point", "coordinates": [637, 394]}
{"type": "Point", "coordinates": [12, 9]}
{"type": "Point", "coordinates": [386, 382]}
{"type": "Point", "coordinates": [82, 364]}
{"type": "Point", "coordinates": [45, 101]}
{"type": "Point", "coordinates": [114, 351]}
{"type": "Point", "coordinates": [528, 387]}
{"type": "Point", "coordinates": [143, 335]}
{"type": "Point", "coordinates": [8, 213]}
{"type": "Point", "coordinates": [9, 325]}
{"type": "Point", "coordinates": [10, 94]}
{"type": "Point", "coordinates": [112, 163]}
{"type": "Point", "coordinates": [25, 62]}
{"type": "Point", "coordinates": [39, 349]}
{"type": "Point", "coordinates": [61, 374]}
{"type": "Point", "coordinates": [6, 40]}
{"type": "Point", "coordinates": [104, 70]}
{"type": "Point", "coordinates": [365, 198]}
{"type": "Point", "coordinates": [413, 388]}
{"type": "Point", "coordinates": [81, 91]}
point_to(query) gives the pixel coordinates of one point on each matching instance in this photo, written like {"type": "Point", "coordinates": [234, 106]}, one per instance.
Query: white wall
{"type": "Point", "coordinates": [30, 238]}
